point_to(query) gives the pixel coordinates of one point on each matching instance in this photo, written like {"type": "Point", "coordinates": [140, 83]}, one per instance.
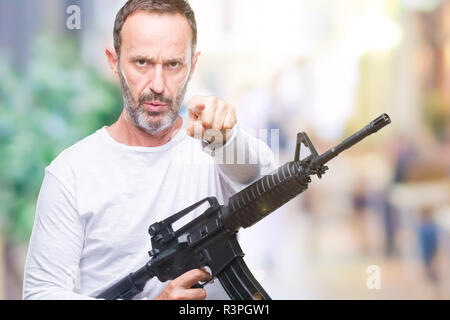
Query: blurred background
{"type": "Point", "coordinates": [376, 226]}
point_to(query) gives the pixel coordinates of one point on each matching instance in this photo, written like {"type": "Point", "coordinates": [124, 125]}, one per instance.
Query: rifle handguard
{"type": "Point", "coordinates": [267, 194]}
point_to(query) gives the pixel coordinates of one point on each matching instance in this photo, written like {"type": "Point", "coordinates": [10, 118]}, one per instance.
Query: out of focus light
{"type": "Point", "coordinates": [259, 274]}
{"type": "Point", "coordinates": [425, 5]}
{"type": "Point", "coordinates": [372, 31]}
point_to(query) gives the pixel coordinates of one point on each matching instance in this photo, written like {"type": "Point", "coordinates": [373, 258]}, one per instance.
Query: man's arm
{"type": "Point", "coordinates": [244, 158]}
{"type": "Point", "coordinates": [51, 269]}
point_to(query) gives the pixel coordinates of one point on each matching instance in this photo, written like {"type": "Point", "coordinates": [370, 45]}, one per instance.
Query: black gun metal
{"type": "Point", "coordinates": [211, 238]}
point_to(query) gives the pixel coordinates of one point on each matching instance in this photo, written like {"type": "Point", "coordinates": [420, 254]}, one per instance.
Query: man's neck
{"type": "Point", "coordinates": [125, 131]}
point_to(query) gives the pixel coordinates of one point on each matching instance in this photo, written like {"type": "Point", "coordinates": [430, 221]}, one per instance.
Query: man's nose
{"type": "Point", "coordinates": [157, 80]}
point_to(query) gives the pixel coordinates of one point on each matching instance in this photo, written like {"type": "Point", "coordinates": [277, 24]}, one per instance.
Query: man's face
{"type": "Point", "coordinates": [154, 68]}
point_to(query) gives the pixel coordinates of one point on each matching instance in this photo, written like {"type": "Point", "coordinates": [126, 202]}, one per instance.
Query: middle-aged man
{"type": "Point", "coordinates": [100, 195]}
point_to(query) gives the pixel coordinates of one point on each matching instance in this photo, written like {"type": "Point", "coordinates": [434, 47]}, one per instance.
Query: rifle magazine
{"type": "Point", "coordinates": [239, 282]}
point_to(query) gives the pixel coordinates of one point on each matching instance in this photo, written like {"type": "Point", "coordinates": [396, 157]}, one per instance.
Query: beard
{"type": "Point", "coordinates": [141, 117]}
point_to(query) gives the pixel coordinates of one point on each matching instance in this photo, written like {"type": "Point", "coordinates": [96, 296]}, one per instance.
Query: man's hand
{"type": "Point", "coordinates": [210, 119]}
{"type": "Point", "coordinates": [180, 288]}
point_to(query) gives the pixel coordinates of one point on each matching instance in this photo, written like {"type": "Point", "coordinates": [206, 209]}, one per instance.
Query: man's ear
{"type": "Point", "coordinates": [112, 60]}
{"type": "Point", "coordinates": [194, 64]}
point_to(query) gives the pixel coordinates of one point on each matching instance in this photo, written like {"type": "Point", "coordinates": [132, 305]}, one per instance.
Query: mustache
{"type": "Point", "coordinates": [144, 97]}
{"type": "Point", "coordinates": [155, 96]}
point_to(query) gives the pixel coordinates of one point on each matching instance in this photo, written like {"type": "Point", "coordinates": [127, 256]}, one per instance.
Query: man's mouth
{"type": "Point", "coordinates": [154, 106]}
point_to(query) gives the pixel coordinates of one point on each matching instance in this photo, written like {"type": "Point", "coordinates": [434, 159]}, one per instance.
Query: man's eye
{"type": "Point", "coordinates": [174, 64]}
{"type": "Point", "coordinates": [141, 63]}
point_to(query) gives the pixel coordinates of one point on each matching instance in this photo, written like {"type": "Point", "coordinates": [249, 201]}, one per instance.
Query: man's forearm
{"type": "Point", "coordinates": [243, 158]}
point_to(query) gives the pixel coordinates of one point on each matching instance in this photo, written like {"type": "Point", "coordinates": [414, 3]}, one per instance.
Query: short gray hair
{"type": "Point", "coordinates": [154, 6]}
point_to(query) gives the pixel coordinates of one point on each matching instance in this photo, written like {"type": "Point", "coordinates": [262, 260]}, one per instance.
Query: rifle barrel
{"type": "Point", "coordinates": [372, 127]}
{"type": "Point", "coordinates": [270, 192]}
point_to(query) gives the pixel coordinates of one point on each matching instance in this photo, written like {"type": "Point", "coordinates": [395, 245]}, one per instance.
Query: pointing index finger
{"type": "Point", "coordinates": [196, 106]}
{"type": "Point", "coordinates": [195, 111]}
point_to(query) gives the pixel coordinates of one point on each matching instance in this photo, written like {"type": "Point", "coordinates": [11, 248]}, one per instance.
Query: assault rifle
{"type": "Point", "coordinates": [210, 239]}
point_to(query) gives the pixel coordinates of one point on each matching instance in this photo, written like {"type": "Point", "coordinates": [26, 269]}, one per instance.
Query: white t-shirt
{"type": "Point", "coordinates": [99, 197]}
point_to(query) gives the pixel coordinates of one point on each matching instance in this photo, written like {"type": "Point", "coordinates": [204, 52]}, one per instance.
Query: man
{"type": "Point", "coordinates": [100, 195]}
